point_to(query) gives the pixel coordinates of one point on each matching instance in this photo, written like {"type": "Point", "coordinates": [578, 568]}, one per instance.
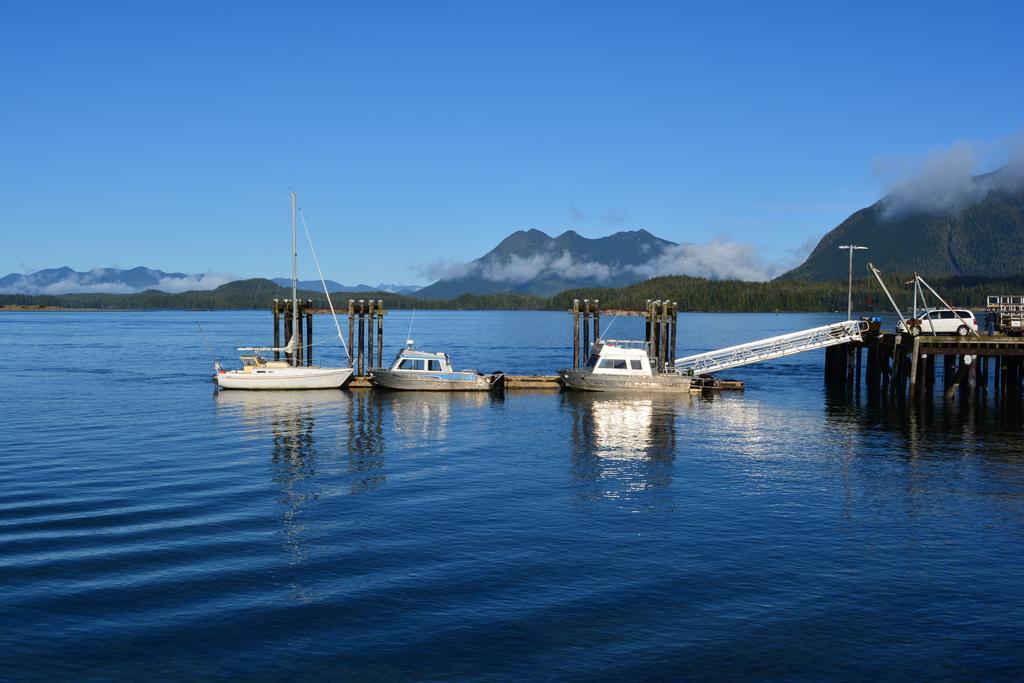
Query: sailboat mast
{"type": "Point", "coordinates": [295, 286]}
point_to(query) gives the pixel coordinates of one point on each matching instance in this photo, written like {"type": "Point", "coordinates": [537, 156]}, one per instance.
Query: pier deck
{"type": "Point", "coordinates": [902, 365]}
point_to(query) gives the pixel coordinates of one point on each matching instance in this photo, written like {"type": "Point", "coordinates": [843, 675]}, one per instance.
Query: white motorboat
{"type": "Point", "coordinates": [258, 373]}
{"type": "Point", "coordinates": [414, 370]}
{"type": "Point", "coordinates": [618, 365]}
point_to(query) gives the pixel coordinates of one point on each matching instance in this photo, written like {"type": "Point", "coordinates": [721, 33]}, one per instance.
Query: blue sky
{"type": "Point", "coordinates": [169, 135]}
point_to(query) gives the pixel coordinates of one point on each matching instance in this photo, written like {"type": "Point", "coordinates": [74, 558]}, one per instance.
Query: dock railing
{"type": "Point", "coordinates": [772, 348]}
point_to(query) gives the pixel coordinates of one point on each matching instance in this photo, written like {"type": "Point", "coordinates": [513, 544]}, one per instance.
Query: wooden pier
{"type": "Point", "coordinates": [365, 341]}
{"type": "Point", "coordinates": [903, 366]}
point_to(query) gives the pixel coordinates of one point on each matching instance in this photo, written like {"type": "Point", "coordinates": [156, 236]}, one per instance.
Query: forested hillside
{"type": "Point", "coordinates": [694, 294]}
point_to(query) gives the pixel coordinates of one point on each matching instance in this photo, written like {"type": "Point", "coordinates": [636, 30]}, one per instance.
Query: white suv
{"type": "Point", "coordinates": [941, 321]}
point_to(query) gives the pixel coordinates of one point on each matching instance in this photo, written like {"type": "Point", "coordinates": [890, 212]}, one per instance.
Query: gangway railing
{"type": "Point", "coordinates": [772, 348]}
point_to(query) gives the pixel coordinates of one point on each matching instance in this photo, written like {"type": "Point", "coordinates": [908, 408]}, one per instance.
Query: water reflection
{"type": "Point", "coordinates": [932, 426]}
{"type": "Point", "coordinates": [623, 447]}
{"type": "Point", "coordinates": [419, 416]}
{"type": "Point", "coordinates": [982, 441]}
{"type": "Point", "coordinates": [364, 452]}
{"type": "Point", "coordinates": [323, 444]}
{"type": "Point", "coordinates": [288, 420]}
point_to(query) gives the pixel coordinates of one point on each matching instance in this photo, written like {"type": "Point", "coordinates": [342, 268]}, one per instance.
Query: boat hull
{"type": "Point", "coordinates": [285, 379]}
{"type": "Point", "coordinates": [408, 381]}
{"type": "Point", "coordinates": [581, 380]}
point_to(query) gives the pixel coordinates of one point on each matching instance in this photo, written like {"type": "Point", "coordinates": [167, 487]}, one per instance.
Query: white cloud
{"type": "Point", "coordinates": [107, 281]}
{"type": "Point", "coordinates": [444, 268]}
{"type": "Point", "coordinates": [719, 259]}
{"type": "Point", "coordinates": [203, 281]}
{"type": "Point", "coordinates": [945, 180]}
{"type": "Point", "coordinates": [518, 269]}
{"type": "Point", "coordinates": [568, 266]}
{"type": "Point", "coordinates": [75, 285]}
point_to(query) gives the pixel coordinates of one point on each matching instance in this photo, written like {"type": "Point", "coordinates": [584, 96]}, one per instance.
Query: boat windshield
{"type": "Point", "coordinates": [428, 364]}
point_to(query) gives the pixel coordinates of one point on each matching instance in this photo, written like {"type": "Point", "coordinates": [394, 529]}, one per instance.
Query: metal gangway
{"type": "Point", "coordinates": [772, 348]}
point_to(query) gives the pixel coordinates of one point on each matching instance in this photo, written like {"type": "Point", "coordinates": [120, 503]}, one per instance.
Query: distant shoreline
{"type": "Point", "coordinates": [692, 294]}
{"type": "Point", "coordinates": [12, 308]}
{"type": "Point", "coordinates": [44, 309]}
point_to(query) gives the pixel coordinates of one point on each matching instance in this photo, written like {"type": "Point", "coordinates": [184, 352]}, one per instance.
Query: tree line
{"type": "Point", "coordinates": [692, 294]}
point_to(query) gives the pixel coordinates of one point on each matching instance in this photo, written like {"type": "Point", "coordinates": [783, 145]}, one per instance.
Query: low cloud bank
{"type": "Point", "coordinates": [203, 281]}
{"type": "Point", "coordinates": [946, 180]}
{"type": "Point", "coordinates": [718, 259]}
{"type": "Point", "coordinates": [109, 281]}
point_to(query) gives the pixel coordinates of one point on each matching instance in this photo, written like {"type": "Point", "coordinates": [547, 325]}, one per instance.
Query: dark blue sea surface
{"type": "Point", "coordinates": [151, 528]}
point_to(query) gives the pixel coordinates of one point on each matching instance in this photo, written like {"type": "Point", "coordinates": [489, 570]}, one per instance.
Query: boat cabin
{"type": "Point", "coordinates": [619, 357]}
{"type": "Point", "coordinates": [259, 364]}
{"type": "Point", "coordinates": [410, 360]}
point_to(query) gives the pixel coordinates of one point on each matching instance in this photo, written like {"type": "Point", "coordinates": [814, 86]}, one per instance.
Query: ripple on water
{"type": "Point", "coordinates": [150, 524]}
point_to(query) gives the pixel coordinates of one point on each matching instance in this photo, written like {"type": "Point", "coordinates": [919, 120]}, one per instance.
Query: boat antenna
{"type": "Point", "coordinates": [295, 283]}
{"type": "Point", "coordinates": [323, 282]}
{"type": "Point", "coordinates": [408, 335]}
{"type": "Point", "coordinates": [206, 341]}
{"type": "Point", "coordinates": [614, 318]}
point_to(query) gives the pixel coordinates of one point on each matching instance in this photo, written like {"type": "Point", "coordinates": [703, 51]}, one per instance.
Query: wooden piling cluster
{"type": "Point", "coordinates": [589, 314]}
{"type": "Point", "coordinates": [363, 317]}
{"type": "Point", "coordinates": [366, 335]}
{"type": "Point", "coordinates": [903, 366]}
{"type": "Point", "coordinates": [662, 318]}
{"type": "Point", "coordinates": [660, 322]}
{"type": "Point", "coordinates": [284, 325]}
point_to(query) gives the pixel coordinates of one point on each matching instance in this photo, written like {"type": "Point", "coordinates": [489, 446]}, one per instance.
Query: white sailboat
{"type": "Point", "coordinates": [258, 373]}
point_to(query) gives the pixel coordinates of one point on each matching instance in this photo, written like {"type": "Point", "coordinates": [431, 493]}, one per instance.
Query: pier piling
{"type": "Point", "coordinates": [586, 327]}
{"type": "Point", "coordinates": [575, 333]}
{"type": "Point", "coordinates": [365, 344]}
{"type": "Point", "coordinates": [309, 332]}
{"type": "Point", "coordinates": [277, 328]}
{"type": "Point", "coordinates": [380, 333]}
{"type": "Point", "coordinates": [904, 366]}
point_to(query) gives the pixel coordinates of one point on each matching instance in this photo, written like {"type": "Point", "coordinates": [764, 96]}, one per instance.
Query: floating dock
{"type": "Point", "coordinates": [554, 383]}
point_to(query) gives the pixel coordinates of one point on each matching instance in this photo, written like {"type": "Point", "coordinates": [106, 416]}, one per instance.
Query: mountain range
{"type": "Point", "coordinates": [338, 287]}
{"type": "Point", "coordinates": [969, 226]}
{"type": "Point", "coordinates": [532, 262]}
{"type": "Point", "coordinates": [66, 280]}
{"type": "Point", "coordinates": [333, 286]}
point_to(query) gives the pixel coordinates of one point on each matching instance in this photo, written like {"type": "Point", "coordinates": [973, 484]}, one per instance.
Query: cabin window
{"type": "Point", "coordinates": [636, 365]}
{"type": "Point", "coordinates": [411, 364]}
{"type": "Point", "coordinates": [434, 365]}
{"type": "Point", "coordinates": [613, 364]}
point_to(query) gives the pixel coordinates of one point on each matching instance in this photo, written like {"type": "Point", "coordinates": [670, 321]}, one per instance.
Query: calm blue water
{"type": "Point", "coordinates": [151, 528]}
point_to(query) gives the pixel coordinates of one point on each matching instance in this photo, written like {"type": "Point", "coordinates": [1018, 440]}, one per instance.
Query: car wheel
{"type": "Point", "coordinates": [962, 330]}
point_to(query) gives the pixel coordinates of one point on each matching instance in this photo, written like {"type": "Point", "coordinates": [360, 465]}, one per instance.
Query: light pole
{"type": "Point", "coordinates": [849, 285]}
